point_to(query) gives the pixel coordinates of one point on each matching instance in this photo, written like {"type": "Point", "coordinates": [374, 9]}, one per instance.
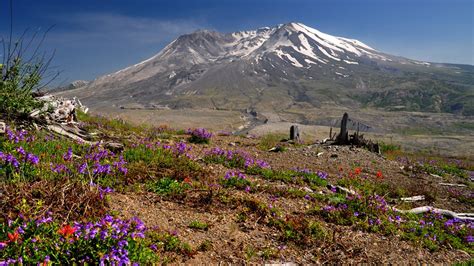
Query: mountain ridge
{"type": "Point", "coordinates": [290, 64]}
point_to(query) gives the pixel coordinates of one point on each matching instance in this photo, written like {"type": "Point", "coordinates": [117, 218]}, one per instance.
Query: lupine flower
{"type": "Point", "coordinates": [200, 133]}
{"type": "Point", "coordinates": [10, 159]}
{"type": "Point", "coordinates": [58, 168]}
{"type": "Point", "coordinates": [82, 168]}
{"type": "Point", "coordinates": [469, 239]}
{"type": "Point", "coordinates": [44, 220]}
{"type": "Point", "coordinates": [68, 155]}
{"type": "Point", "coordinates": [32, 159]}
{"type": "Point", "coordinates": [21, 151]}
{"type": "Point", "coordinates": [322, 175]}
{"type": "Point", "coordinates": [329, 208]}
{"type": "Point", "coordinates": [104, 191]}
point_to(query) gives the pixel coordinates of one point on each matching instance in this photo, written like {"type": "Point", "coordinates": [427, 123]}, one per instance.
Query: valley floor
{"type": "Point", "coordinates": [430, 133]}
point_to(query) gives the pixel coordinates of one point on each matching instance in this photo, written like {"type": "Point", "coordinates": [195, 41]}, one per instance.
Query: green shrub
{"type": "Point", "coordinates": [270, 140]}
{"type": "Point", "coordinates": [167, 186]}
{"type": "Point", "coordinates": [198, 225]}
{"type": "Point", "coordinates": [16, 84]}
{"type": "Point", "coordinates": [385, 147]}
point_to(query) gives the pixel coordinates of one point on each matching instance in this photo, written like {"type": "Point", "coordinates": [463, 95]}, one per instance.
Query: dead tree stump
{"type": "Point", "coordinates": [343, 137]}
{"type": "Point", "coordinates": [294, 133]}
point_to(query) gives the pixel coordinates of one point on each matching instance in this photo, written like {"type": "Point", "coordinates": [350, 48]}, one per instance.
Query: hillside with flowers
{"type": "Point", "coordinates": [194, 196]}
{"type": "Point", "coordinates": [82, 189]}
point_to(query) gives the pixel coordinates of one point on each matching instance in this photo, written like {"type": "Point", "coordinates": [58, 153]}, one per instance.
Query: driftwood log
{"type": "Point", "coordinates": [419, 210]}
{"type": "Point", "coordinates": [414, 198]}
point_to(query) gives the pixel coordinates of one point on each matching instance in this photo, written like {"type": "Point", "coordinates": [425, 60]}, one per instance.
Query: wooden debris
{"type": "Point", "coordinates": [354, 139]}
{"type": "Point", "coordinates": [276, 149]}
{"type": "Point", "coordinates": [61, 131]}
{"type": "Point", "coordinates": [414, 198]}
{"type": "Point", "coordinates": [294, 133]}
{"type": "Point", "coordinates": [418, 210]}
{"type": "Point", "coordinates": [114, 146]}
{"type": "Point", "coordinates": [3, 127]}
{"type": "Point", "coordinates": [343, 137]}
{"type": "Point", "coordinates": [452, 185]}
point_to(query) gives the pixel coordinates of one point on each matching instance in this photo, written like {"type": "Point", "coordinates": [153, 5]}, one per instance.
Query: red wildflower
{"type": "Point", "coordinates": [379, 175]}
{"type": "Point", "coordinates": [67, 231]}
{"type": "Point", "coordinates": [13, 237]}
{"type": "Point", "coordinates": [187, 180]}
{"type": "Point", "coordinates": [358, 170]}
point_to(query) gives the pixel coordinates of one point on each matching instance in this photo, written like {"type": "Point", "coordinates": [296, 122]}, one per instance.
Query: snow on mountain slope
{"type": "Point", "coordinates": [209, 47]}
{"type": "Point", "coordinates": [295, 62]}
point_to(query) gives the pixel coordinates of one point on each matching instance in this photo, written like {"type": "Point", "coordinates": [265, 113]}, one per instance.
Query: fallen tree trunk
{"type": "Point", "coordinates": [414, 198]}
{"type": "Point", "coordinates": [452, 185]}
{"type": "Point", "coordinates": [419, 210]}
{"type": "Point", "coordinates": [61, 131]}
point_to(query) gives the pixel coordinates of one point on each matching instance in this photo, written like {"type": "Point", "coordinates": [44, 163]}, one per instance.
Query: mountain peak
{"type": "Point", "coordinates": [207, 69]}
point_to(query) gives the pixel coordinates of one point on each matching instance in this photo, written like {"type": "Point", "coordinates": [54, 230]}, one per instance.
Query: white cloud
{"type": "Point", "coordinates": [109, 27]}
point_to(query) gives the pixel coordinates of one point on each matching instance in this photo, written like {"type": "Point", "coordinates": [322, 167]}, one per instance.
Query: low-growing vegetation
{"type": "Point", "coordinates": [58, 196]}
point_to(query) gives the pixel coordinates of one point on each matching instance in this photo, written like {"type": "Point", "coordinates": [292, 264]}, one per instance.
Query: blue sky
{"type": "Point", "coordinates": [96, 37]}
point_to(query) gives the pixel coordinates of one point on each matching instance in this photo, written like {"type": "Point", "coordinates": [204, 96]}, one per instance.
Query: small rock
{"type": "Point", "coordinates": [232, 144]}
{"type": "Point", "coordinates": [307, 189]}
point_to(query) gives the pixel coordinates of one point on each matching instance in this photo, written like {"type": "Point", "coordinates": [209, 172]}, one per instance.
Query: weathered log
{"type": "Point", "coordinates": [414, 198]}
{"type": "Point", "coordinates": [452, 185]}
{"type": "Point", "coordinates": [418, 210]}
{"type": "Point", "coordinates": [343, 137]}
{"type": "Point", "coordinates": [61, 131]}
{"type": "Point", "coordinates": [294, 133]}
{"type": "Point", "coordinates": [114, 146]}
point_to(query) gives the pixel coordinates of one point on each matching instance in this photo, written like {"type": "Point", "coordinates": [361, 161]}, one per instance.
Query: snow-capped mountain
{"type": "Point", "coordinates": [276, 68]}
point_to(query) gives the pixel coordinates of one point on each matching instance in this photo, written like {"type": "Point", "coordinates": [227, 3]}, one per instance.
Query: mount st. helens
{"type": "Point", "coordinates": [290, 66]}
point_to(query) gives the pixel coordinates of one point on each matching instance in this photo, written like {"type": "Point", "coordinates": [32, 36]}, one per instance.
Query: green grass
{"type": "Point", "coordinates": [167, 187]}
{"type": "Point", "coordinates": [464, 125]}
{"type": "Point", "coordinates": [385, 147]}
{"type": "Point", "coordinates": [199, 225]}
{"type": "Point", "coordinates": [270, 140]}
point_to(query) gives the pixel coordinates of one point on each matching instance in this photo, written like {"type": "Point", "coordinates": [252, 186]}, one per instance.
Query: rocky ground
{"type": "Point", "coordinates": [223, 198]}
{"type": "Point", "coordinates": [233, 240]}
